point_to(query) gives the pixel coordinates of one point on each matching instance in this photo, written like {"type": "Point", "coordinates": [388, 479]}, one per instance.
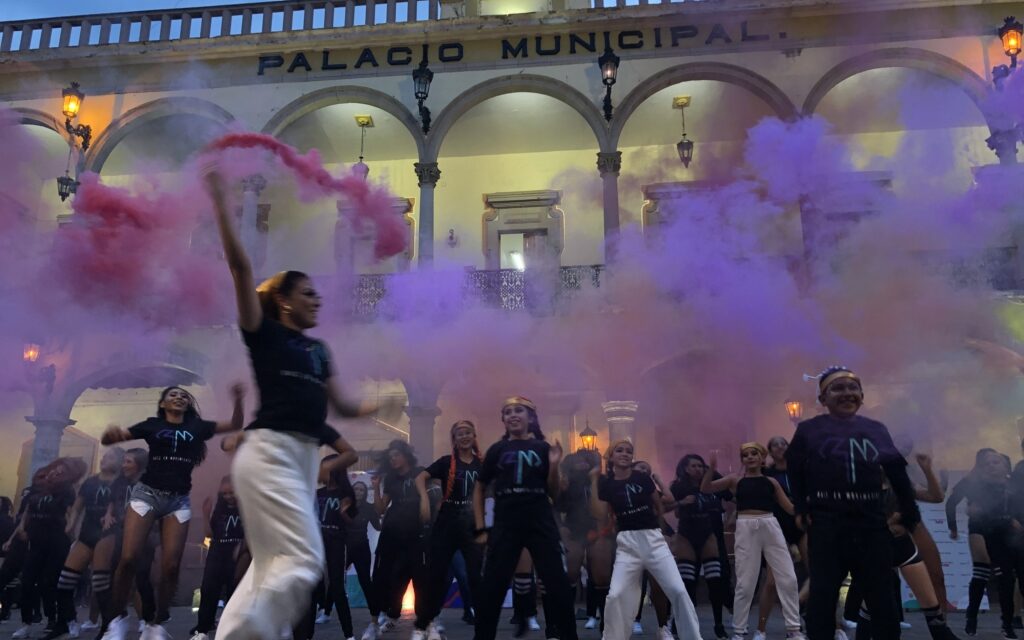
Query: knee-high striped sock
{"type": "Point", "coordinates": [67, 583]}
{"type": "Point", "coordinates": [688, 572]}
{"type": "Point", "coordinates": [981, 574]}
{"type": "Point", "coordinates": [716, 587]}
{"type": "Point", "coordinates": [101, 583]}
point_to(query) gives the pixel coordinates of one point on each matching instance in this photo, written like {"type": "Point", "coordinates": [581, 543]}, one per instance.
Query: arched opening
{"type": "Point", "coordinates": [37, 196]}
{"type": "Point", "coordinates": [157, 147]}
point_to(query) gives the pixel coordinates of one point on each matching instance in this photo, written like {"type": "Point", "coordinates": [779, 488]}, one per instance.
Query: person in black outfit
{"type": "Point", "coordinates": [45, 526]}
{"type": "Point", "coordinates": [357, 540]}
{"type": "Point", "coordinates": [699, 536]}
{"type": "Point", "coordinates": [7, 527]}
{"type": "Point", "coordinates": [454, 528]}
{"type": "Point", "coordinates": [524, 471]}
{"type": "Point", "coordinates": [836, 463]}
{"type": "Point", "coordinates": [177, 444]}
{"type": "Point", "coordinates": [227, 540]}
{"type": "Point", "coordinates": [400, 548]}
{"type": "Point", "coordinates": [93, 500]}
{"type": "Point", "coordinates": [989, 527]}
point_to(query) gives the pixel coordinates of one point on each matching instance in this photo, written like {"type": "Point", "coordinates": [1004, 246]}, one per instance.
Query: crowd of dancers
{"type": "Point", "coordinates": [286, 525]}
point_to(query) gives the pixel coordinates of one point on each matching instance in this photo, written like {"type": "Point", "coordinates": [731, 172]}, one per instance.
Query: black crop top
{"type": "Point", "coordinates": [755, 494]}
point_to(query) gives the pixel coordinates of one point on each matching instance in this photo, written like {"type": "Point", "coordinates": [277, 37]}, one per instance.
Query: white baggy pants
{"type": "Point", "coordinates": [758, 535]}
{"type": "Point", "coordinates": [275, 474]}
{"type": "Point", "coordinates": [636, 552]}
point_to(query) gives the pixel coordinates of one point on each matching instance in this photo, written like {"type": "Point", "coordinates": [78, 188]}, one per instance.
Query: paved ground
{"type": "Point", "coordinates": [182, 619]}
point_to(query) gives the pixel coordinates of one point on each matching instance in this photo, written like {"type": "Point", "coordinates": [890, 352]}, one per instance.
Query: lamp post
{"type": "Point", "coordinates": [1004, 141]}
{"type": "Point", "coordinates": [588, 438]}
{"type": "Point", "coordinates": [73, 98]}
{"type": "Point", "coordinates": [609, 63]}
{"type": "Point", "coordinates": [795, 410]}
{"type": "Point", "coordinates": [422, 76]}
{"type": "Point", "coordinates": [30, 353]}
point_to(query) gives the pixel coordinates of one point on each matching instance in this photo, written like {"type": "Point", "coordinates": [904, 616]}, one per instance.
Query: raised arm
{"type": "Point", "coordinates": [708, 484]}
{"type": "Point", "coordinates": [933, 492]}
{"type": "Point", "coordinates": [956, 497]}
{"type": "Point", "coordinates": [238, 413]}
{"type": "Point", "coordinates": [250, 313]}
{"type": "Point", "coordinates": [115, 434]}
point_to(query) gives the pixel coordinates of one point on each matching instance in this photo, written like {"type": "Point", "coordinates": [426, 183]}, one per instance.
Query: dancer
{"type": "Point", "coordinates": [658, 598]}
{"type": "Point", "coordinates": [104, 555]}
{"type": "Point", "coordinates": [580, 531]}
{"type": "Point", "coordinates": [988, 525]}
{"type": "Point", "coordinates": [400, 548]}
{"type": "Point", "coordinates": [334, 499]}
{"type": "Point", "coordinates": [227, 541]}
{"type": "Point", "coordinates": [357, 540]}
{"type": "Point", "coordinates": [454, 528]}
{"type": "Point", "coordinates": [794, 536]}
{"type": "Point", "coordinates": [640, 546]}
{"type": "Point", "coordinates": [836, 461]}
{"type": "Point", "coordinates": [92, 503]}
{"type": "Point", "coordinates": [177, 444]}
{"type": "Point", "coordinates": [524, 471]}
{"type": "Point", "coordinates": [758, 534]}
{"type": "Point", "coordinates": [275, 471]}
{"type": "Point", "coordinates": [700, 522]}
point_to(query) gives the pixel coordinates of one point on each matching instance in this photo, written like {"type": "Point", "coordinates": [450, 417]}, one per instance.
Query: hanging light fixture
{"type": "Point", "coordinates": [422, 76]}
{"type": "Point", "coordinates": [30, 353]}
{"type": "Point", "coordinates": [609, 63]}
{"type": "Point", "coordinates": [360, 169]}
{"type": "Point", "coordinates": [73, 99]}
{"type": "Point", "coordinates": [795, 410]}
{"type": "Point", "coordinates": [685, 146]}
{"type": "Point", "coordinates": [1010, 33]}
{"type": "Point", "coordinates": [588, 438]}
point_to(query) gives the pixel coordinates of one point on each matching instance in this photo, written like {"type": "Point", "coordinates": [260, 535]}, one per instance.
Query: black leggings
{"type": "Point", "coordinates": [532, 528]}
{"type": "Point", "coordinates": [399, 559]}
{"type": "Point", "coordinates": [358, 554]}
{"type": "Point", "coordinates": [218, 582]}
{"type": "Point", "coordinates": [452, 532]}
{"type": "Point", "coordinates": [334, 587]}
{"type": "Point", "coordinates": [39, 576]}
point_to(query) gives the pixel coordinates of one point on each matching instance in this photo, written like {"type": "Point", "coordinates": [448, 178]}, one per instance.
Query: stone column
{"type": "Point", "coordinates": [609, 164]}
{"type": "Point", "coordinates": [621, 416]}
{"type": "Point", "coordinates": [421, 431]}
{"type": "Point", "coordinates": [427, 175]}
{"type": "Point", "coordinates": [46, 446]}
{"type": "Point", "coordinates": [249, 231]}
{"type": "Point", "coordinates": [1004, 143]}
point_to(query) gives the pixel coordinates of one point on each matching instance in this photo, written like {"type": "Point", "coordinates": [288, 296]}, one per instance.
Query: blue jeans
{"type": "Point", "coordinates": [162, 503]}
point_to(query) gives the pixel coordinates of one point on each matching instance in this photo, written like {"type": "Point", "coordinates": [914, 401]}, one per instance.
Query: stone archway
{"type": "Point", "coordinates": [758, 85]}
{"type": "Point", "coordinates": [138, 117]}
{"type": "Point", "coordinates": [38, 118]}
{"type": "Point", "coordinates": [525, 83]}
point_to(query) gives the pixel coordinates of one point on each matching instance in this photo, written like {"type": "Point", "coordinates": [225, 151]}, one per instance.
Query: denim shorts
{"type": "Point", "coordinates": [145, 499]}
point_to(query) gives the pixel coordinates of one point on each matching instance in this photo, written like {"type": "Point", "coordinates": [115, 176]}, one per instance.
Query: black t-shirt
{"type": "Point", "coordinates": [47, 512]}
{"type": "Point", "coordinates": [465, 479]}
{"type": "Point", "coordinates": [121, 495]}
{"type": "Point", "coordinates": [836, 468]}
{"type": "Point", "coordinates": [631, 499]}
{"type": "Point", "coordinates": [174, 451]}
{"type": "Point", "coordinates": [706, 506]}
{"type": "Point", "coordinates": [519, 471]}
{"type": "Point", "coordinates": [574, 502]}
{"type": "Point", "coordinates": [364, 515]}
{"type": "Point", "coordinates": [96, 497]}
{"type": "Point", "coordinates": [226, 523]}
{"type": "Point", "coordinates": [328, 507]}
{"type": "Point", "coordinates": [403, 514]}
{"type": "Point", "coordinates": [291, 370]}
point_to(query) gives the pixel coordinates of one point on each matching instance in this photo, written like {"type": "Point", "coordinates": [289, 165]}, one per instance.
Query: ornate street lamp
{"type": "Point", "coordinates": [1010, 33]}
{"type": "Point", "coordinates": [609, 63]}
{"type": "Point", "coordinates": [73, 98]}
{"type": "Point", "coordinates": [795, 410]}
{"type": "Point", "coordinates": [685, 146]}
{"type": "Point", "coordinates": [588, 438]}
{"type": "Point", "coordinates": [360, 169]}
{"type": "Point", "coordinates": [1004, 141]}
{"type": "Point", "coordinates": [30, 353]}
{"type": "Point", "coordinates": [422, 76]}
{"type": "Point", "coordinates": [66, 186]}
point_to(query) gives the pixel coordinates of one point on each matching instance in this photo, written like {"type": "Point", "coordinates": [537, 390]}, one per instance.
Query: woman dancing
{"type": "Point", "coordinates": [524, 471]}
{"type": "Point", "coordinates": [758, 534]}
{"type": "Point", "coordinates": [275, 471]}
{"type": "Point", "coordinates": [357, 539]}
{"type": "Point", "coordinates": [453, 529]}
{"type": "Point", "coordinates": [177, 444]}
{"type": "Point", "coordinates": [640, 545]}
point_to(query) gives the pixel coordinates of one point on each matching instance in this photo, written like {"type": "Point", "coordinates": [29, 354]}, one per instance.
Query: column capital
{"type": "Point", "coordinates": [427, 173]}
{"type": "Point", "coordinates": [1004, 143]}
{"type": "Point", "coordinates": [609, 162]}
{"type": "Point", "coordinates": [254, 183]}
{"type": "Point", "coordinates": [49, 422]}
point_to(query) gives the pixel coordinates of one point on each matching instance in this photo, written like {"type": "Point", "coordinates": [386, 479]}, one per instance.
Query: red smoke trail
{"type": "Point", "coordinates": [371, 205]}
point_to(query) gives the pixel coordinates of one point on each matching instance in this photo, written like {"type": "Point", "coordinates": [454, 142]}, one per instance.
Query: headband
{"type": "Point", "coordinates": [757, 446]}
{"type": "Point", "coordinates": [520, 400]}
{"type": "Point", "coordinates": [836, 375]}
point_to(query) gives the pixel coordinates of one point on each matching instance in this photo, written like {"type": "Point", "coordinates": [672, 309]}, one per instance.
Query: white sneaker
{"type": "Point", "coordinates": [24, 632]}
{"type": "Point", "coordinates": [738, 636]}
{"type": "Point", "coordinates": [88, 625]}
{"type": "Point", "coordinates": [155, 632]}
{"type": "Point", "coordinates": [437, 625]}
{"type": "Point", "coordinates": [199, 636]}
{"type": "Point", "coordinates": [142, 627]}
{"type": "Point", "coordinates": [795, 635]}
{"type": "Point", "coordinates": [532, 623]}
{"type": "Point", "coordinates": [74, 629]}
{"type": "Point", "coordinates": [434, 631]}
{"type": "Point", "coordinates": [760, 635]}
{"type": "Point", "coordinates": [372, 631]}
{"type": "Point", "coordinates": [850, 624]}
{"type": "Point", "coordinates": [591, 623]}
{"type": "Point", "coordinates": [841, 635]}
{"type": "Point", "coordinates": [118, 629]}
{"type": "Point", "coordinates": [905, 625]}
{"type": "Point", "coordinates": [381, 618]}
{"type": "Point", "coordinates": [322, 617]}
{"type": "Point", "coordinates": [418, 634]}
{"type": "Point", "coordinates": [666, 633]}
{"type": "Point", "coordinates": [638, 628]}
{"type": "Point", "coordinates": [389, 625]}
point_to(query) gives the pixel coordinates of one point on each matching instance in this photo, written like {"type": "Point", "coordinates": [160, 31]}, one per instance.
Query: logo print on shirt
{"type": "Point", "coordinates": [468, 481]}
{"type": "Point", "coordinates": [862, 448]}
{"type": "Point", "coordinates": [102, 494]}
{"type": "Point", "coordinates": [525, 458]}
{"type": "Point", "coordinates": [330, 504]}
{"type": "Point", "coordinates": [230, 523]}
{"type": "Point", "coordinates": [174, 435]}
{"type": "Point", "coordinates": [632, 490]}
